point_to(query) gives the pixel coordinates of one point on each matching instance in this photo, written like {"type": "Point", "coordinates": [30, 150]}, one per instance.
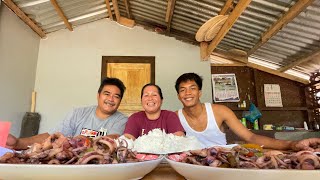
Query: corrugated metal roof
{"type": "Point", "coordinates": [296, 40]}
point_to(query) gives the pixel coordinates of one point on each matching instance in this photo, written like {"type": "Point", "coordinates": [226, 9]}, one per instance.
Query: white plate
{"type": "Point", "coordinates": [190, 171]}
{"type": "Point", "coordinates": [229, 146]}
{"type": "Point", "coordinates": [77, 172]}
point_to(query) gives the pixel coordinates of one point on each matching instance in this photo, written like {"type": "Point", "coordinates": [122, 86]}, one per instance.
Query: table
{"type": "Point", "coordinates": [163, 171]}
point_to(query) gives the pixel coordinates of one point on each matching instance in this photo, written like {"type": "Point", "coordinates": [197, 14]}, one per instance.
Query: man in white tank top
{"type": "Point", "coordinates": [204, 121]}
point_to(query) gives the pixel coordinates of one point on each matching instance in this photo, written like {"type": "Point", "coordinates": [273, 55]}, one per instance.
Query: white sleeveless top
{"type": "Point", "coordinates": [211, 135]}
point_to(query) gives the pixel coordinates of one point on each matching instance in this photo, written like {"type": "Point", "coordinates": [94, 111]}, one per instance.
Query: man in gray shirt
{"type": "Point", "coordinates": [99, 120]}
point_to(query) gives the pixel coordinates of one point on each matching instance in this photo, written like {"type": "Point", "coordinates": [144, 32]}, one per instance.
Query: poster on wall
{"type": "Point", "coordinates": [225, 88]}
{"type": "Point", "coordinates": [272, 95]}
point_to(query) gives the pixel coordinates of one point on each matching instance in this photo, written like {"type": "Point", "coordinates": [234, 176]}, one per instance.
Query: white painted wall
{"type": "Point", "coordinates": [19, 47]}
{"type": "Point", "coordinates": [69, 65]}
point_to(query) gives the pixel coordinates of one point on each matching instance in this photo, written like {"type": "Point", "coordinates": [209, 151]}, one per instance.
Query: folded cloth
{"type": "Point", "coordinates": [4, 150]}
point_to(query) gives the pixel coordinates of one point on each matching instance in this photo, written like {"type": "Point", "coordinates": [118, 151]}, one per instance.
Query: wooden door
{"type": "Point", "coordinates": [134, 72]}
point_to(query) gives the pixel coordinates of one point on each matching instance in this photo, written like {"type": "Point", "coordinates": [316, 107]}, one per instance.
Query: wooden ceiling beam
{"type": "Point", "coordinates": [116, 9]}
{"type": "Point", "coordinates": [295, 10]}
{"type": "Point", "coordinates": [234, 15]}
{"type": "Point", "coordinates": [126, 22]}
{"type": "Point", "coordinates": [227, 6]}
{"type": "Point", "coordinates": [127, 4]}
{"type": "Point", "coordinates": [109, 9]}
{"type": "Point", "coordinates": [203, 51]}
{"type": "Point", "coordinates": [61, 14]}
{"type": "Point", "coordinates": [264, 69]}
{"type": "Point", "coordinates": [230, 56]}
{"type": "Point", "coordinates": [234, 64]}
{"type": "Point", "coordinates": [299, 61]}
{"type": "Point", "coordinates": [121, 20]}
{"type": "Point", "coordinates": [24, 18]}
{"type": "Point", "coordinates": [243, 61]}
{"type": "Point", "coordinates": [277, 73]}
{"type": "Point", "coordinates": [169, 13]}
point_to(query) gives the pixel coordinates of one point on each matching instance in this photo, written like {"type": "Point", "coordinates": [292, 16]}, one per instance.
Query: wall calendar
{"type": "Point", "coordinates": [272, 95]}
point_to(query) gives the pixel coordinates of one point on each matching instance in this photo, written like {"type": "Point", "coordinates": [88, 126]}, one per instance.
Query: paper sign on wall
{"type": "Point", "coordinates": [225, 88]}
{"type": "Point", "coordinates": [272, 95]}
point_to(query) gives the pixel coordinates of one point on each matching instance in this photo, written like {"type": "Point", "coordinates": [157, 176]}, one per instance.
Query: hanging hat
{"type": "Point", "coordinates": [215, 28]}
{"type": "Point", "coordinates": [200, 35]}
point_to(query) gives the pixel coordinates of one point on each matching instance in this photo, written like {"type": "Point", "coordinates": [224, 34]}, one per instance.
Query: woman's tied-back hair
{"type": "Point", "coordinates": [113, 81]}
{"type": "Point", "coordinates": [151, 84]}
{"type": "Point", "coordinates": [189, 77]}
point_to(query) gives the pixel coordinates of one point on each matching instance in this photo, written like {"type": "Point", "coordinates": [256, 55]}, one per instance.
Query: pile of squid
{"type": "Point", "coordinates": [58, 149]}
{"type": "Point", "coordinates": [249, 158]}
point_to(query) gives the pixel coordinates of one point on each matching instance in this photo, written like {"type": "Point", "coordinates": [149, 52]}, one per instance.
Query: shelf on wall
{"type": "Point", "coordinates": [239, 109]}
{"type": "Point", "coordinates": [283, 108]}
{"type": "Point", "coordinates": [272, 109]}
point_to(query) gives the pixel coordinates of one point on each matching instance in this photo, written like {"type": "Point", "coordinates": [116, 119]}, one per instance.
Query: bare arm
{"type": "Point", "coordinates": [234, 124]}
{"type": "Point", "coordinates": [179, 133]}
{"type": "Point", "coordinates": [129, 136]}
{"type": "Point", "coordinates": [23, 143]}
{"type": "Point", "coordinates": [113, 136]}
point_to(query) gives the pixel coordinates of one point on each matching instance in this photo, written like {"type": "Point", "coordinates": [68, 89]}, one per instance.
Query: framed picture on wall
{"type": "Point", "coordinates": [225, 88]}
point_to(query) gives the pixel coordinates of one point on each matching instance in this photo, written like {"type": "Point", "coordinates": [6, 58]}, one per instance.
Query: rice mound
{"type": "Point", "coordinates": [158, 142]}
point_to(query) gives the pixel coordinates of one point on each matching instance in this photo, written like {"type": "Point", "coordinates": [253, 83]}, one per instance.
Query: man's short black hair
{"type": "Point", "coordinates": [112, 81]}
{"type": "Point", "coordinates": [189, 77]}
{"type": "Point", "coordinates": [151, 84]}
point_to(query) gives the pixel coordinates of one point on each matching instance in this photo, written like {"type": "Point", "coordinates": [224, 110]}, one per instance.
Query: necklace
{"type": "Point", "coordinates": [197, 123]}
{"type": "Point", "coordinates": [192, 120]}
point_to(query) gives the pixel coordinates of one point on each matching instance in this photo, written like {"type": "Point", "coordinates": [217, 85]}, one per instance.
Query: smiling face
{"type": "Point", "coordinates": [189, 93]}
{"type": "Point", "coordinates": [108, 101]}
{"type": "Point", "coordinates": [151, 100]}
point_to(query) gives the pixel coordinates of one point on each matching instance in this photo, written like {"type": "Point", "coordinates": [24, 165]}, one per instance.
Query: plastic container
{"type": "Point", "coordinates": [244, 122]}
{"type": "Point", "coordinates": [268, 127]}
{"type": "Point", "coordinates": [256, 124]}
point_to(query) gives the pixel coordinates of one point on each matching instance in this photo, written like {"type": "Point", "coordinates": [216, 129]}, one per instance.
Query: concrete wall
{"type": "Point", "coordinates": [19, 47]}
{"type": "Point", "coordinates": [69, 65]}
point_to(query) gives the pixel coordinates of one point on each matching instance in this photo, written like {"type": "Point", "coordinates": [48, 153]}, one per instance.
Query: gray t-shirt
{"type": "Point", "coordinates": [85, 122]}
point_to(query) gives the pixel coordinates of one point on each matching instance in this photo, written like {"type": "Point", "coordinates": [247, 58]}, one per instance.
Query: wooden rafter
{"type": "Point", "coordinates": [109, 9]}
{"type": "Point", "coordinates": [25, 18]}
{"type": "Point", "coordinates": [234, 15]}
{"type": "Point", "coordinates": [127, 4]}
{"type": "Point", "coordinates": [116, 9]}
{"type": "Point", "coordinates": [230, 56]}
{"type": "Point", "coordinates": [170, 9]}
{"type": "Point", "coordinates": [299, 61]}
{"type": "Point", "coordinates": [275, 72]}
{"type": "Point", "coordinates": [264, 69]}
{"type": "Point", "coordinates": [126, 22]}
{"type": "Point", "coordinates": [121, 20]}
{"type": "Point", "coordinates": [203, 51]}
{"type": "Point", "coordinates": [61, 14]}
{"type": "Point", "coordinates": [228, 5]}
{"type": "Point", "coordinates": [243, 61]}
{"type": "Point", "coordinates": [286, 18]}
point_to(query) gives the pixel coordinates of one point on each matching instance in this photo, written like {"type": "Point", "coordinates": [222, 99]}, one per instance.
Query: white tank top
{"type": "Point", "coordinates": [211, 135]}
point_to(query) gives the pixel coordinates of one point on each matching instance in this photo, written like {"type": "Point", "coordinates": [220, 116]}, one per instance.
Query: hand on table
{"type": "Point", "coordinates": [311, 144]}
{"type": "Point", "coordinates": [11, 142]}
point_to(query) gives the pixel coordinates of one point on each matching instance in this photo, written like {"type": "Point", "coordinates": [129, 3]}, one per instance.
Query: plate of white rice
{"type": "Point", "coordinates": [158, 142]}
